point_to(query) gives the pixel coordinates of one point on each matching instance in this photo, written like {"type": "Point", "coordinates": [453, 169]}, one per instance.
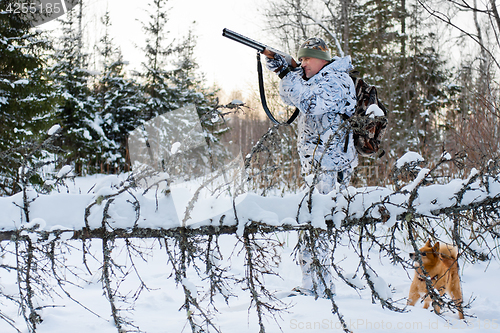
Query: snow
{"type": "Point", "coordinates": [159, 305]}
{"type": "Point", "coordinates": [422, 174]}
{"type": "Point", "coordinates": [167, 209]}
{"type": "Point", "coordinates": [53, 130]}
{"type": "Point", "coordinates": [409, 158]}
{"type": "Point", "coordinates": [381, 287]}
{"type": "Point", "coordinates": [86, 134]}
{"type": "Point", "coordinates": [446, 156]}
{"type": "Point", "coordinates": [65, 170]}
{"type": "Point", "coordinates": [22, 81]}
{"type": "Point", "coordinates": [190, 286]}
{"type": "Point", "coordinates": [175, 147]}
{"type": "Point", "coordinates": [237, 102]}
{"type": "Point", "coordinates": [374, 111]}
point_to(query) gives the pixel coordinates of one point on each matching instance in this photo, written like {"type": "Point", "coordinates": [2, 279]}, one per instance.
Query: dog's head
{"type": "Point", "coordinates": [429, 254]}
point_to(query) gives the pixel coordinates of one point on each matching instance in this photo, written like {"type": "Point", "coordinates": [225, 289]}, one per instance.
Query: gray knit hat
{"type": "Point", "coordinates": [314, 48]}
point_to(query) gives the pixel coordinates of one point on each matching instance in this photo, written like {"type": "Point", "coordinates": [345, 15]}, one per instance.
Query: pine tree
{"type": "Point", "coordinates": [25, 97]}
{"type": "Point", "coordinates": [186, 85]}
{"type": "Point", "coordinates": [373, 37]}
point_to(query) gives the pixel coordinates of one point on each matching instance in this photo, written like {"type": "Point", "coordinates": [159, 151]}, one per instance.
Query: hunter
{"type": "Point", "coordinates": [325, 95]}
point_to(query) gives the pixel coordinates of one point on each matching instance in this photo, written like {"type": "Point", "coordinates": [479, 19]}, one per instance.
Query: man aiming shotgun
{"type": "Point", "coordinates": [322, 90]}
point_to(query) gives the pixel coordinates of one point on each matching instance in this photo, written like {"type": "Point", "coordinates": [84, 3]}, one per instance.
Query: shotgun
{"type": "Point", "coordinates": [262, 48]}
{"type": "Point", "coordinates": [268, 52]}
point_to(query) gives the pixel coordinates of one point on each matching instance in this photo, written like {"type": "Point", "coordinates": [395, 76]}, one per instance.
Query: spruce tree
{"type": "Point", "coordinates": [189, 88]}
{"type": "Point", "coordinates": [187, 85]}
{"type": "Point", "coordinates": [77, 113]}
{"type": "Point", "coordinates": [120, 102]}
{"type": "Point", "coordinates": [394, 49]}
{"type": "Point", "coordinates": [25, 98]}
{"type": "Point", "coordinates": [171, 82]}
{"type": "Point", "coordinates": [160, 98]}
{"type": "Point", "coordinates": [422, 87]}
{"type": "Point", "coordinates": [170, 78]}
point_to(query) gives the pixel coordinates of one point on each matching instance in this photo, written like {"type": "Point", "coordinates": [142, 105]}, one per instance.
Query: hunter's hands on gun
{"type": "Point", "coordinates": [276, 61]}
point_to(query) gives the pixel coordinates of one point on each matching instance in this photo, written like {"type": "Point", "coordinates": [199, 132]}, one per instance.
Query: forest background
{"type": "Point", "coordinates": [433, 63]}
{"type": "Point", "coordinates": [67, 107]}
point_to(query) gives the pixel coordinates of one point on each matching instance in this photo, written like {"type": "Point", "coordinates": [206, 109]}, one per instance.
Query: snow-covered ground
{"type": "Point", "coordinates": [157, 309]}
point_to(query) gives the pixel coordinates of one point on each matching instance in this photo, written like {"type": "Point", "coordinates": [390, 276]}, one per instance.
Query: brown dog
{"type": "Point", "coordinates": [440, 264]}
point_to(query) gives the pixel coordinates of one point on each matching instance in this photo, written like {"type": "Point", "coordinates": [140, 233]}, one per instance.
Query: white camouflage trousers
{"type": "Point", "coordinates": [311, 280]}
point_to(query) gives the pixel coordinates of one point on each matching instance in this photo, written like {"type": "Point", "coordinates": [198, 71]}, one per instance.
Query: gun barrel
{"type": "Point", "coordinates": [243, 40]}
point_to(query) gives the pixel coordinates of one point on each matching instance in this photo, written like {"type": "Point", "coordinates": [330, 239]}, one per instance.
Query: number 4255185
{"type": "Point", "coordinates": [25, 8]}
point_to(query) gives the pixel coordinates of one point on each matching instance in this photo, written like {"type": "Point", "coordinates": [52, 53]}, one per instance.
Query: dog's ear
{"type": "Point", "coordinates": [428, 243]}
{"type": "Point", "coordinates": [435, 248]}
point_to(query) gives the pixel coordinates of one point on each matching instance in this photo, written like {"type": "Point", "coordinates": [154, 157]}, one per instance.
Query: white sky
{"type": "Point", "coordinates": [229, 64]}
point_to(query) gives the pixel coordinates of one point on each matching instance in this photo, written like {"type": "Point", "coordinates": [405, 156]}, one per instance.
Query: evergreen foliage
{"type": "Point", "coordinates": [120, 102]}
{"type": "Point", "coordinates": [160, 96]}
{"type": "Point", "coordinates": [390, 42]}
{"type": "Point", "coordinates": [77, 113]}
{"type": "Point", "coordinates": [26, 98]}
{"type": "Point", "coordinates": [170, 81]}
{"type": "Point", "coordinates": [394, 50]}
{"type": "Point", "coordinates": [96, 111]}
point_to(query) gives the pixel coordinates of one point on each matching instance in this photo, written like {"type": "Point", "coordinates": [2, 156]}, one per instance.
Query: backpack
{"type": "Point", "coordinates": [369, 121]}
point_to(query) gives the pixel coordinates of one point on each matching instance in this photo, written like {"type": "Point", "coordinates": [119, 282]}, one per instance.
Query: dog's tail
{"type": "Point", "coordinates": [448, 250]}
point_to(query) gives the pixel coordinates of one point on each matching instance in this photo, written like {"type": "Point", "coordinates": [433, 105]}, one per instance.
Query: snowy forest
{"type": "Point", "coordinates": [152, 200]}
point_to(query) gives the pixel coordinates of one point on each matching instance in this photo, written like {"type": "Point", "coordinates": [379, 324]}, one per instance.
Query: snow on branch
{"type": "Point", "coordinates": [131, 211]}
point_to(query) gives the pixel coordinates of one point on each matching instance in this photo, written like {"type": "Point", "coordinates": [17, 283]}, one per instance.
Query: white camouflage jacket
{"type": "Point", "coordinates": [322, 99]}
